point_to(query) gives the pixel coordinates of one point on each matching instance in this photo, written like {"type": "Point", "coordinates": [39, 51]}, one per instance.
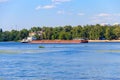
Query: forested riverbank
{"type": "Point", "coordinates": [90, 32]}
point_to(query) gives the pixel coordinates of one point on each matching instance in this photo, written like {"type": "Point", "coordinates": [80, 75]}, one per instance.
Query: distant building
{"type": "Point", "coordinates": [32, 34]}
{"type": "Point", "coordinates": [39, 33]}
{"type": "Point", "coordinates": [35, 33]}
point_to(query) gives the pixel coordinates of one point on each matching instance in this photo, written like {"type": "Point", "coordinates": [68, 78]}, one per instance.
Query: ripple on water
{"type": "Point", "coordinates": [60, 61]}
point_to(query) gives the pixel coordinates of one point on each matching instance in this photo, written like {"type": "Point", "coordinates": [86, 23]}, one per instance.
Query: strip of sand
{"type": "Point", "coordinates": [103, 40]}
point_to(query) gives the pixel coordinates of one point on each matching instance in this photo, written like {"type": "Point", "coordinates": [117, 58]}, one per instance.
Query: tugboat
{"type": "Point", "coordinates": [28, 39]}
{"type": "Point", "coordinates": [24, 41]}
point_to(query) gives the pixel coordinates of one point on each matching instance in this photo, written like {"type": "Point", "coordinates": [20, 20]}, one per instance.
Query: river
{"type": "Point", "coordinates": [85, 61]}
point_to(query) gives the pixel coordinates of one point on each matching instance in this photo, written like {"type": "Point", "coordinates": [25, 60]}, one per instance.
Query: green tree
{"type": "Point", "coordinates": [23, 34]}
{"type": "Point", "coordinates": [117, 32]}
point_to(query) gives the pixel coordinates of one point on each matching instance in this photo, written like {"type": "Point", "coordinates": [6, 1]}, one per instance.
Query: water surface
{"type": "Point", "coordinates": [86, 61]}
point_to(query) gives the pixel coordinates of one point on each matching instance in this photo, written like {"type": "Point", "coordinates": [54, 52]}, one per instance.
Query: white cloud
{"type": "Point", "coordinates": [45, 7]}
{"type": "Point", "coordinates": [53, 5]}
{"type": "Point", "coordinates": [116, 23]}
{"type": "Point", "coordinates": [102, 19]}
{"type": "Point", "coordinates": [81, 14]}
{"type": "Point", "coordinates": [48, 6]}
{"type": "Point", "coordinates": [60, 1]}
{"type": "Point", "coordinates": [106, 18]}
{"type": "Point", "coordinates": [38, 7]}
{"type": "Point", "coordinates": [64, 12]}
{"type": "Point", "coordinates": [61, 12]}
{"type": "Point", "coordinates": [3, 1]}
{"type": "Point", "coordinates": [104, 15]}
{"type": "Point", "coordinates": [117, 14]}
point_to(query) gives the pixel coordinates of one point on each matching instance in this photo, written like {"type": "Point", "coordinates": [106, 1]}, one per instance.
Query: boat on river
{"type": "Point", "coordinates": [58, 41]}
{"type": "Point", "coordinates": [24, 41]}
{"type": "Point", "coordinates": [33, 40]}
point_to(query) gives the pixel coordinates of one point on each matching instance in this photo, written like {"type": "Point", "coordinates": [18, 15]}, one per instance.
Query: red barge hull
{"type": "Point", "coordinates": [58, 41]}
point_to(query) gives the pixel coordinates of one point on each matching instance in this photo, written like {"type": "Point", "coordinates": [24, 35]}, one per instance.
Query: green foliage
{"type": "Point", "coordinates": [41, 47]}
{"type": "Point", "coordinates": [23, 33]}
{"type": "Point", "coordinates": [1, 30]}
{"type": "Point", "coordinates": [93, 32]}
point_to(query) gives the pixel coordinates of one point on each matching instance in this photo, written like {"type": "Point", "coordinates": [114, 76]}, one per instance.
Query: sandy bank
{"type": "Point", "coordinates": [103, 40]}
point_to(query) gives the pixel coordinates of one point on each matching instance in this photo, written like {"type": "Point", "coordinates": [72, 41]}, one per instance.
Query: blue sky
{"type": "Point", "coordinates": [19, 14]}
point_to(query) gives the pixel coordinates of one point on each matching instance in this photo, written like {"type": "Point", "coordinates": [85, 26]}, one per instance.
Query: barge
{"type": "Point", "coordinates": [58, 41]}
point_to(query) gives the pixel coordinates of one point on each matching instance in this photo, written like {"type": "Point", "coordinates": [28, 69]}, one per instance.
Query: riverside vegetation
{"type": "Point", "coordinates": [91, 32]}
{"type": "Point", "coordinates": [41, 47]}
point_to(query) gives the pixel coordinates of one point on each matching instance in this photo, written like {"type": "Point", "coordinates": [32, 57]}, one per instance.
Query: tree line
{"type": "Point", "coordinates": [91, 32]}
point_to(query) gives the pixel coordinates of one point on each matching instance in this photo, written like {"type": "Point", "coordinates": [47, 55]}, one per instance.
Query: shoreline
{"type": "Point", "coordinates": [103, 40]}
{"type": "Point", "coordinates": [88, 41]}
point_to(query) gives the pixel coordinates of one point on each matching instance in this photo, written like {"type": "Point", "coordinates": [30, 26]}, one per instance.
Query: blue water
{"type": "Point", "coordinates": [86, 61]}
